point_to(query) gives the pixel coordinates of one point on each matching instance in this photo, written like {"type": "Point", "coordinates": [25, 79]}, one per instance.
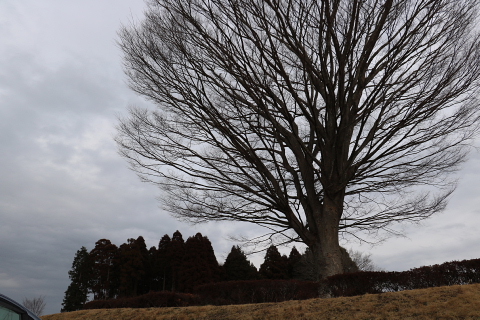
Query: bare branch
{"type": "Point", "coordinates": [313, 116]}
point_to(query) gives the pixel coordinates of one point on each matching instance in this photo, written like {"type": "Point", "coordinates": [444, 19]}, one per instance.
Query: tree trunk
{"type": "Point", "coordinates": [326, 249]}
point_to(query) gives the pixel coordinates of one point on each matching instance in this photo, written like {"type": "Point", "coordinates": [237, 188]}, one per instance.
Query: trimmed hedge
{"type": "Point", "coordinates": [446, 274]}
{"type": "Point", "coordinates": [257, 291]}
{"type": "Point", "coordinates": [148, 300]}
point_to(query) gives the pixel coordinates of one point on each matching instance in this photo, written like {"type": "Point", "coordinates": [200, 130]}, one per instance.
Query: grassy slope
{"type": "Point", "coordinates": [455, 302]}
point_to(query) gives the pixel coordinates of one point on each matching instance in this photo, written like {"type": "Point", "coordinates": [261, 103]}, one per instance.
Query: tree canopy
{"type": "Point", "coordinates": [315, 117]}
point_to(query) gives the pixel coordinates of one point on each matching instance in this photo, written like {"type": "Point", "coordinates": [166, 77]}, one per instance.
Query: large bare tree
{"type": "Point", "coordinates": [317, 117]}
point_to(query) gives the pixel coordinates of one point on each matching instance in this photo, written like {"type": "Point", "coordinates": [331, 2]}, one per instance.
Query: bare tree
{"type": "Point", "coordinates": [36, 305]}
{"type": "Point", "coordinates": [311, 118]}
{"type": "Point", "coordinates": [363, 261]}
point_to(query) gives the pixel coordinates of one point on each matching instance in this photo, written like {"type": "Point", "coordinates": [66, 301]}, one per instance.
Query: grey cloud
{"type": "Point", "coordinates": [62, 184]}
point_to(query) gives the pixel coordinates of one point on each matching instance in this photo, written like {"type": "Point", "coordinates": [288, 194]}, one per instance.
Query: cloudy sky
{"type": "Point", "coordinates": [63, 185]}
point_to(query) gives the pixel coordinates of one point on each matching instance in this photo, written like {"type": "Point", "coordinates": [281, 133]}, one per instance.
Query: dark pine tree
{"type": "Point", "coordinates": [152, 271]}
{"type": "Point", "coordinates": [294, 259]}
{"type": "Point", "coordinates": [176, 251]}
{"type": "Point", "coordinates": [275, 266]}
{"type": "Point", "coordinates": [105, 280]}
{"type": "Point", "coordinates": [80, 275]}
{"type": "Point", "coordinates": [237, 266]}
{"type": "Point", "coordinates": [199, 265]}
{"type": "Point", "coordinates": [144, 283]}
{"type": "Point", "coordinates": [162, 269]}
{"type": "Point", "coordinates": [133, 260]}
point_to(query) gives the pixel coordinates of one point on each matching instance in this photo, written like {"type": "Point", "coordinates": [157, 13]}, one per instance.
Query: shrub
{"type": "Point", "coordinates": [446, 274]}
{"type": "Point", "coordinates": [257, 291]}
{"type": "Point", "coordinates": [149, 300]}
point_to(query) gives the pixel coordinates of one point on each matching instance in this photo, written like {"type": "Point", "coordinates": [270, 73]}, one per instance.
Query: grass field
{"type": "Point", "coordinates": [455, 302]}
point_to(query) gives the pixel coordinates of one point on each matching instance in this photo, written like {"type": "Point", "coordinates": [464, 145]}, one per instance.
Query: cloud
{"type": "Point", "coordinates": [62, 184]}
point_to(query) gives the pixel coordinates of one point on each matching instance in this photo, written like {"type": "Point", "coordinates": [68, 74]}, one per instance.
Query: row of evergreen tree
{"type": "Point", "coordinates": [108, 271]}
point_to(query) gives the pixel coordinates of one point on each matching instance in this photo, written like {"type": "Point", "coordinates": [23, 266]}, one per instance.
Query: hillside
{"type": "Point", "coordinates": [455, 302]}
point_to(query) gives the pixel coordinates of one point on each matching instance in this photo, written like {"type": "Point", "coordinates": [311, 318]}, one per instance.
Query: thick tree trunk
{"type": "Point", "coordinates": [326, 249]}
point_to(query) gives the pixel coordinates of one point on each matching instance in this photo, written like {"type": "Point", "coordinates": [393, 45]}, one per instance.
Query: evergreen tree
{"type": "Point", "coordinates": [237, 266]}
{"type": "Point", "coordinates": [293, 260]}
{"type": "Point", "coordinates": [176, 251]}
{"type": "Point", "coordinates": [133, 259]}
{"type": "Point", "coordinates": [152, 271]}
{"type": "Point", "coordinates": [275, 266]}
{"type": "Point", "coordinates": [141, 247]}
{"type": "Point", "coordinates": [199, 265]}
{"type": "Point", "coordinates": [105, 270]}
{"type": "Point", "coordinates": [163, 268]}
{"type": "Point", "coordinates": [80, 275]}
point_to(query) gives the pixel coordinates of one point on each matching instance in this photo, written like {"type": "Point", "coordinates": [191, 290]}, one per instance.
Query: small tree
{"type": "Point", "coordinates": [294, 259]}
{"type": "Point", "coordinates": [237, 266]}
{"type": "Point", "coordinates": [274, 266]}
{"type": "Point", "coordinates": [363, 261]}
{"type": "Point", "coordinates": [36, 305]}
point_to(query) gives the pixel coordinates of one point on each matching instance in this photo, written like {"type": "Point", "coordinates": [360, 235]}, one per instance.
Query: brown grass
{"type": "Point", "coordinates": [455, 302]}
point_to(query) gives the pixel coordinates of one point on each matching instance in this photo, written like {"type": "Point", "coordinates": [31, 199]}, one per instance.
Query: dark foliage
{"type": "Point", "coordinates": [175, 252]}
{"type": "Point", "coordinates": [348, 284]}
{"type": "Point", "coordinates": [133, 266]}
{"type": "Point", "coordinates": [274, 266]}
{"type": "Point", "coordinates": [446, 274]}
{"type": "Point", "coordinates": [199, 265]}
{"type": "Point", "coordinates": [294, 259]}
{"type": "Point", "coordinates": [149, 300]}
{"type": "Point", "coordinates": [80, 275]}
{"type": "Point", "coordinates": [257, 291]}
{"type": "Point", "coordinates": [237, 266]}
{"type": "Point", "coordinates": [163, 268]}
{"type": "Point", "coordinates": [105, 270]}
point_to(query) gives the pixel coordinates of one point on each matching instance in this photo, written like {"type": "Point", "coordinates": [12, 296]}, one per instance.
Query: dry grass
{"type": "Point", "coordinates": [455, 302]}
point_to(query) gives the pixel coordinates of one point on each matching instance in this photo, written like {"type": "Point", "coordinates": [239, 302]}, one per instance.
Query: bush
{"type": "Point", "coordinates": [257, 291]}
{"type": "Point", "coordinates": [149, 300]}
{"type": "Point", "coordinates": [363, 282]}
{"type": "Point", "coordinates": [446, 274]}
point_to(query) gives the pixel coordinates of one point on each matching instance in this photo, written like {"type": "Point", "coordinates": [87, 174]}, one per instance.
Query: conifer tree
{"type": "Point", "coordinates": [105, 272]}
{"type": "Point", "coordinates": [275, 266]}
{"type": "Point", "coordinates": [237, 266]}
{"type": "Point", "coordinates": [133, 259]}
{"type": "Point", "coordinates": [293, 260]}
{"type": "Point", "coordinates": [141, 247]}
{"type": "Point", "coordinates": [80, 275]}
{"type": "Point", "coordinates": [199, 265]}
{"type": "Point", "coordinates": [163, 266]}
{"type": "Point", "coordinates": [153, 271]}
{"type": "Point", "coordinates": [176, 251]}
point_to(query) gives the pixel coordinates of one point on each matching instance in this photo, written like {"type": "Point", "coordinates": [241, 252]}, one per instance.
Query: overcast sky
{"type": "Point", "coordinates": [63, 185]}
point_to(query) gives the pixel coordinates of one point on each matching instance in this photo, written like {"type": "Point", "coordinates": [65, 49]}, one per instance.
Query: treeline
{"type": "Point", "coordinates": [347, 284]}
{"type": "Point", "coordinates": [109, 272]}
